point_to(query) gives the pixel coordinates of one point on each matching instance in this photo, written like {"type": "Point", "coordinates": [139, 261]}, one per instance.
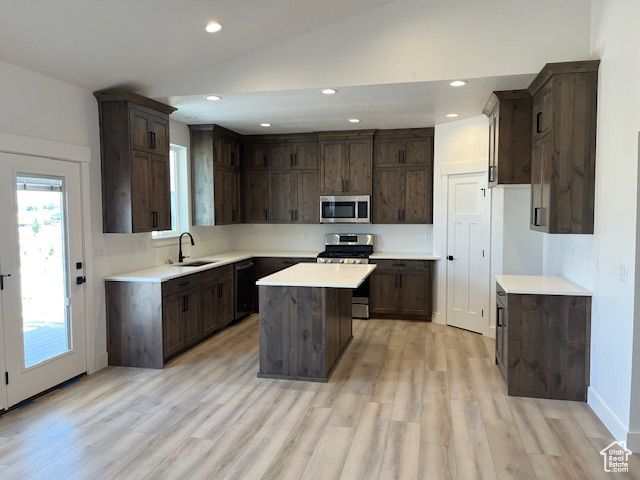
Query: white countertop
{"type": "Point", "coordinates": [332, 275]}
{"type": "Point", "coordinates": [162, 273]}
{"type": "Point", "coordinates": [541, 285]}
{"type": "Point", "coordinates": [403, 256]}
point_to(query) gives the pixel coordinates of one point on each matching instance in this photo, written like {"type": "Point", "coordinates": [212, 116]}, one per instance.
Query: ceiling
{"type": "Point", "coordinates": [124, 44]}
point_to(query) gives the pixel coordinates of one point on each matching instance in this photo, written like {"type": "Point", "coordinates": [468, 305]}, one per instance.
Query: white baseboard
{"type": "Point", "coordinates": [102, 361]}
{"type": "Point", "coordinates": [612, 422]}
{"type": "Point", "coordinates": [437, 318]}
{"type": "Point", "coordinates": [490, 332]}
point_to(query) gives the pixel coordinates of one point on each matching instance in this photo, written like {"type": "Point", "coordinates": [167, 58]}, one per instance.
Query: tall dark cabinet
{"type": "Point", "coordinates": [134, 147]}
{"type": "Point", "coordinates": [564, 147]}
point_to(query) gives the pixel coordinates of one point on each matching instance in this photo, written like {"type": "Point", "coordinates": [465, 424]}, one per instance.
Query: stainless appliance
{"type": "Point", "coordinates": [345, 209]}
{"type": "Point", "coordinates": [245, 288]}
{"type": "Point", "coordinates": [350, 248]}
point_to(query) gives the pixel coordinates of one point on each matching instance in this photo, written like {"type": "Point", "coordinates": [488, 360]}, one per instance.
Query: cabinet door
{"type": "Point", "coordinates": [280, 156]}
{"type": "Point", "coordinates": [305, 155]}
{"type": "Point", "coordinates": [542, 118]}
{"type": "Point", "coordinates": [256, 196]}
{"type": "Point", "coordinates": [307, 188]}
{"type": "Point", "coordinates": [141, 192]}
{"type": "Point", "coordinates": [210, 320]}
{"type": "Point", "coordinates": [386, 201]}
{"type": "Point", "coordinates": [140, 126]}
{"type": "Point", "coordinates": [387, 152]}
{"type": "Point", "coordinates": [414, 293]}
{"type": "Point", "coordinates": [233, 194]}
{"type": "Point", "coordinates": [540, 183]}
{"type": "Point", "coordinates": [224, 303]}
{"type": "Point", "coordinates": [493, 151]}
{"type": "Point", "coordinates": [255, 155]}
{"type": "Point", "coordinates": [418, 151]}
{"type": "Point", "coordinates": [172, 331]}
{"type": "Point", "coordinates": [334, 167]}
{"type": "Point", "coordinates": [417, 204]}
{"type": "Point", "coordinates": [221, 217]}
{"type": "Point", "coordinates": [160, 137]}
{"type": "Point", "coordinates": [191, 319]}
{"type": "Point", "coordinates": [359, 165]}
{"type": "Point", "coordinates": [225, 152]}
{"type": "Point", "coordinates": [280, 197]}
{"type": "Point", "coordinates": [160, 193]}
{"type": "Point", "coordinates": [383, 288]}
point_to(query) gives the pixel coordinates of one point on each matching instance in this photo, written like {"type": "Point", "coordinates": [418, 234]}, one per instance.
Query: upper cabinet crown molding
{"type": "Point", "coordinates": [107, 96]}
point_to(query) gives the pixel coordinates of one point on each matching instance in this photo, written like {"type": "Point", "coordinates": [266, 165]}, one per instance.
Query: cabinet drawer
{"type": "Point", "coordinates": [180, 284]}
{"type": "Point", "coordinates": [403, 265]}
{"type": "Point", "coordinates": [214, 274]}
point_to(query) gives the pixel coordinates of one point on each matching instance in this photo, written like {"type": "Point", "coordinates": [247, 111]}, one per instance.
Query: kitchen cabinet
{"type": "Point", "coordinates": [217, 299]}
{"type": "Point", "coordinates": [401, 289]}
{"type": "Point", "coordinates": [294, 153]}
{"type": "Point", "coordinates": [255, 155]}
{"type": "Point", "coordinates": [542, 344]}
{"type": "Point", "coordinates": [403, 176]}
{"type": "Point", "coordinates": [293, 196]}
{"type": "Point", "coordinates": [134, 151]}
{"type": "Point", "coordinates": [564, 97]}
{"type": "Point", "coordinates": [346, 163]}
{"type": "Point", "coordinates": [215, 176]}
{"type": "Point", "coordinates": [509, 115]}
{"type": "Point", "coordinates": [149, 323]}
{"type": "Point", "coordinates": [256, 196]}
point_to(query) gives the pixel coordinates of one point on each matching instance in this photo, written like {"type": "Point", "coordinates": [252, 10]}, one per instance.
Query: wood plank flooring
{"type": "Point", "coordinates": [407, 401]}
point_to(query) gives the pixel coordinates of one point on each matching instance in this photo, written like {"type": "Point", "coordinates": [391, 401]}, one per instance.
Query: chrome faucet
{"type": "Point", "coordinates": [181, 257]}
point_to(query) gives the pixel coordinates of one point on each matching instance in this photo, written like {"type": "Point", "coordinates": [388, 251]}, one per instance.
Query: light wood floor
{"type": "Point", "coordinates": [408, 400]}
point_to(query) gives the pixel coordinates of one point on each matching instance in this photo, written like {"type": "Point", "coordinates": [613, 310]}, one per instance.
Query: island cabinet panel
{"type": "Point", "coordinates": [303, 331]}
{"type": "Point", "coordinates": [542, 344]}
{"type": "Point", "coordinates": [564, 147]}
{"type": "Point", "coordinates": [134, 151]}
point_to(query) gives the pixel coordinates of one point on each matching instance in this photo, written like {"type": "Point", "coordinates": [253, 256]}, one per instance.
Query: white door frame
{"type": "Point", "coordinates": [460, 168]}
{"type": "Point", "coordinates": [35, 147]}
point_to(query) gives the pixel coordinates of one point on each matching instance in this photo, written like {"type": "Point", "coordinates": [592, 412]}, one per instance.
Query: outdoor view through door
{"type": "Point", "coordinates": [43, 282]}
{"type": "Point", "coordinates": [42, 324]}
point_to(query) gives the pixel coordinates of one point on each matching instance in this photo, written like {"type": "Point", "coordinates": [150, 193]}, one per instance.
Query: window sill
{"type": "Point", "coordinates": [164, 241]}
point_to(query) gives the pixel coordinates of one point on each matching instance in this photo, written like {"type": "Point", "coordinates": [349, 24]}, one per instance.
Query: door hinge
{"type": "Point", "coordinates": [6, 378]}
{"type": "Point", "coordinates": [483, 313]}
{"type": "Point", "coordinates": [484, 192]}
{"type": "Point", "coordinates": [482, 253]}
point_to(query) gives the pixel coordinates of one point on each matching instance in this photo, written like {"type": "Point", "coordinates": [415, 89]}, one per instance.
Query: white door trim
{"type": "Point", "coordinates": [38, 147]}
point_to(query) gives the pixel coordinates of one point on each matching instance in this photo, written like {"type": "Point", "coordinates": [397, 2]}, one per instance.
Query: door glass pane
{"type": "Point", "coordinates": [43, 273]}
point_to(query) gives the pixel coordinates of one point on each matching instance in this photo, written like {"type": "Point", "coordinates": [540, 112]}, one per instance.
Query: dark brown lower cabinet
{"type": "Point", "coordinates": [149, 323]}
{"type": "Point", "coordinates": [401, 289]}
{"type": "Point", "coordinates": [543, 344]}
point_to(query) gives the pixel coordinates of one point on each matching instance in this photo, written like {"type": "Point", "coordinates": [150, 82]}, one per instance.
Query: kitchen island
{"type": "Point", "coordinates": [306, 319]}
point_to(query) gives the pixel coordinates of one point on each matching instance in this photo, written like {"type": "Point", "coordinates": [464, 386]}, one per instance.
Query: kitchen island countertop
{"type": "Point", "coordinates": [541, 285]}
{"type": "Point", "coordinates": [329, 275]}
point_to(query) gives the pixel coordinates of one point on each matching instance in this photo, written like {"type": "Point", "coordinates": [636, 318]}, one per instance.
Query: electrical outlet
{"type": "Point", "coordinates": [623, 273]}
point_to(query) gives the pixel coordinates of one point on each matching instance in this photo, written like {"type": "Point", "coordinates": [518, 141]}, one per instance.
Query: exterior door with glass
{"type": "Point", "coordinates": [42, 275]}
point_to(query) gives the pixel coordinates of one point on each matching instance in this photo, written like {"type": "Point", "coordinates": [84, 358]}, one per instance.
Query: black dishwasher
{"type": "Point", "coordinates": [245, 288]}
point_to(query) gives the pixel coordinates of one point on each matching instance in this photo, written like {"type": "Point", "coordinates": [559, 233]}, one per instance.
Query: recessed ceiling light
{"type": "Point", "coordinates": [452, 115]}
{"type": "Point", "coordinates": [213, 27]}
{"type": "Point", "coordinates": [458, 83]}
{"type": "Point", "coordinates": [213, 98]}
{"type": "Point", "coordinates": [354, 120]}
{"type": "Point", "coordinates": [329, 91]}
{"type": "Point", "coordinates": [265, 124]}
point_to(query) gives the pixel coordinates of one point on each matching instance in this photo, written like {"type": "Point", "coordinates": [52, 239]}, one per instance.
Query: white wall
{"type": "Point", "coordinates": [594, 261]}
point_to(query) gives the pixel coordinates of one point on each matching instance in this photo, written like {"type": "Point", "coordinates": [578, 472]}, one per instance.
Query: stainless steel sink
{"type": "Point", "coordinates": [197, 263]}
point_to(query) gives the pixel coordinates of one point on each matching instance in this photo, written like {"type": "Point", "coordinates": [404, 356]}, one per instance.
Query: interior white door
{"type": "Point", "coordinates": [468, 252]}
{"type": "Point", "coordinates": [41, 258]}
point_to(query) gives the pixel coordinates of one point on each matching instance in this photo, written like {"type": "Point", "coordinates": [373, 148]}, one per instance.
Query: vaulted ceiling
{"type": "Point", "coordinates": [389, 59]}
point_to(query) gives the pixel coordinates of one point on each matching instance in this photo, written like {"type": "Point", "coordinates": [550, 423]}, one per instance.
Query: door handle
{"type": "Point", "coordinates": [538, 116]}
{"type": "Point", "coordinates": [498, 323]}
{"type": "Point", "coordinates": [536, 220]}
{"type": "Point", "coordinates": [2, 280]}
{"type": "Point", "coordinates": [450, 257]}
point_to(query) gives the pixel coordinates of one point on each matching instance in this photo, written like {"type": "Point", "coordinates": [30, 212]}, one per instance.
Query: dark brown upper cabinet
{"type": "Point", "coordinates": [215, 175]}
{"type": "Point", "coordinates": [403, 176]}
{"type": "Point", "coordinates": [134, 151]}
{"type": "Point", "coordinates": [293, 154]}
{"type": "Point", "coordinates": [509, 115]}
{"type": "Point", "coordinates": [563, 132]}
{"type": "Point", "coordinates": [345, 163]}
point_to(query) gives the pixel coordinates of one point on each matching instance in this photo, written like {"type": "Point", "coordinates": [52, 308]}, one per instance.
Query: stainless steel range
{"type": "Point", "coordinates": [350, 248]}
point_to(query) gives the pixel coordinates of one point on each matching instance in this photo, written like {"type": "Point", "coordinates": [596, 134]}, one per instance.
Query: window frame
{"type": "Point", "coordinates": [178, 183]}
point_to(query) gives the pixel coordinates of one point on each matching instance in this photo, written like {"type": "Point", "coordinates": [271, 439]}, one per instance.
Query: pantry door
{"type": "Point", "coordinates": [467, 260]}
{"type": "Point", "coordinates": [42, 274]}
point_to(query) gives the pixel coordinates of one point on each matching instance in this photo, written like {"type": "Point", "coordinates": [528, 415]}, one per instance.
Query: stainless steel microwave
{"type": "Point", "coordinates": [345, 209]}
